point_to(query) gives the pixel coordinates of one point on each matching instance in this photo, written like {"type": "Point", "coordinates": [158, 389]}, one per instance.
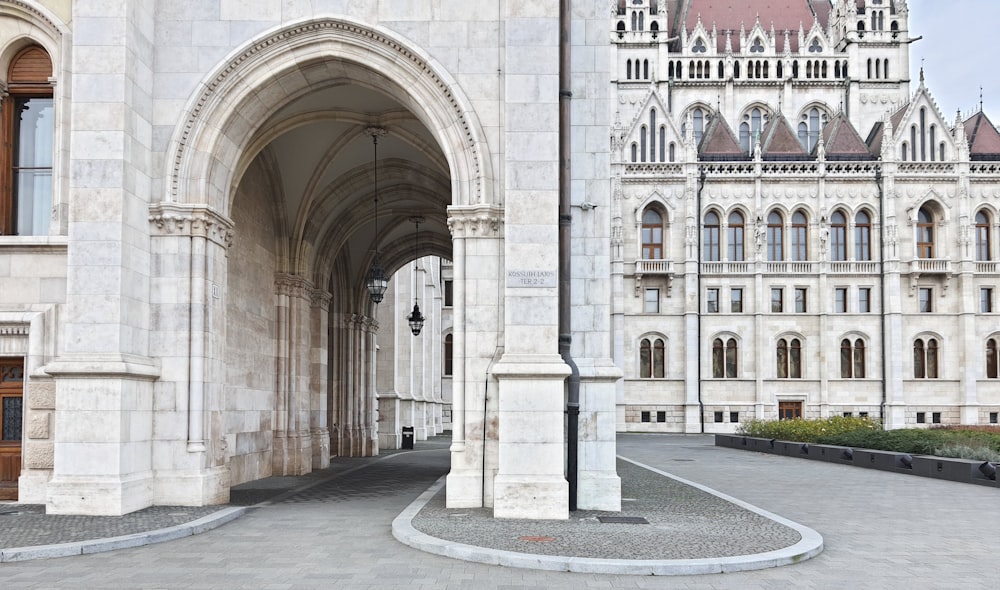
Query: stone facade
{"type": "Point", "coordinates": [193, 313]}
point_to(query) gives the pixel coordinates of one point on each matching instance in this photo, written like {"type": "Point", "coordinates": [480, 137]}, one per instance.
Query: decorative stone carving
{"type": "Point", "coordinates": [175, 219]}
{"type": "Point", "coordinates": [482, 221]}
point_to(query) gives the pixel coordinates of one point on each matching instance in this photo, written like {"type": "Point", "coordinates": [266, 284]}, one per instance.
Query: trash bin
{"type": "Point", "coordinates": [407, 438]}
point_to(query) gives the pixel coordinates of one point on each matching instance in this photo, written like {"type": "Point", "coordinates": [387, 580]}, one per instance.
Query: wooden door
{"type": "Point", "coordinates": [11, 426]}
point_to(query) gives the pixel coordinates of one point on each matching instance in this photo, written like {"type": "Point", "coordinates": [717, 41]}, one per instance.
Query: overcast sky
{"type": "Point", "coordinates": [960, 51]}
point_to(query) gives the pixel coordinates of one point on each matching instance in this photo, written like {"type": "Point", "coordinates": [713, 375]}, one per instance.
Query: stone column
{"type": "Point", "coordinates": [318, 383]}
{"type": "Point", "coordinates": [104, 374]}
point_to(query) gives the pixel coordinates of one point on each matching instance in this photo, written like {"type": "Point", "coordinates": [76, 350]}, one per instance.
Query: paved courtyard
{"type": "Point", "coordinates": [880, 530]}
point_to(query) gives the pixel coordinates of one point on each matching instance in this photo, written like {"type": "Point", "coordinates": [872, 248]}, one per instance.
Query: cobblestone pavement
{"type": "Point", "coordinates": [881, 530]}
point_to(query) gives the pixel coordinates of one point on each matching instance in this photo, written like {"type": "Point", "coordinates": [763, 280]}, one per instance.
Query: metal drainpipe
{"type": "Point", "coordinates": [701, 186]}
{"type": "Point", "coordinates": [881, 241]}
{"type": "Point", "coordinates": [565, 260]}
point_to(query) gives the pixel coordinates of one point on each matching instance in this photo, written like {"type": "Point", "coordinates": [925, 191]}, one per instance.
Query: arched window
{"type": "Point", "coordinates": [651, 358]}
{"type": "Point", "coordinates": [903, 152]}
{"type": "Point", "coordinates": [652, 137]}
{"type": "Point", "coordinates": [628, 69]}
{"type": "Point", "coordinates": [775, 237]}
{"type": "Point", "coordinates": [645, 69]}
{"type": "Point", "coordinates": [710, 246]}
{"type": "Point", "coordinates": [789, 358]}
{"type": "Point", "coordinates": [635, 152]}
{"type": "Point", "coordinates": [800, 237]}
{"type": "Point", "coordinates": [862, 236]}
{"type": "Point", "coordinates": [983, 250]}
{"type": "Point", "coordinates": [27, 113]}
{"type": "Point", "coordinates": [735, 235]}
{"type": "Point", "coordinates": [699, 117]}
{"type": "Point", "coordinates": [838, 237]}
{"type": "Point", "coordinates": [810, 128]}
{"type": "Point", "coordinates": [663, 143]}
{"type": "Point", "coordinates": [852, 359]}
{"type": "Point", "coordinates": [635, 21]}
{"type": "Point", "coordinates": [673, 152]}
{"type": "Point", "coordinates": [652, 235]}
{"type": "Point", "coordinates": [642, 144]}
{"type": "Point", "coordinates": [753, 121]}
{"type": "Point", "coordinates": [724, 358]}
{"type": "Point", "coordinates": [449, 354]}
{"type": "Point", "coordinates": [925, 234]}
{"type": "Point", "coordinates": [991, 359]}
{"type": "Point", "coordinates": [925, 358]}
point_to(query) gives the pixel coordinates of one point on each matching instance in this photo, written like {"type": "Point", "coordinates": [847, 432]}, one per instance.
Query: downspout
{"type": "Point", "coordinates": [565, 271]}
{"type": "Point", "coordinates": [699, 245]}
{"type": "Point", "coordinates": [882, 298]}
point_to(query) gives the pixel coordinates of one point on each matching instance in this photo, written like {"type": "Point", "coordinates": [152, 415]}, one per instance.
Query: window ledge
{"type": "Point", "coordinates": [33, 244]}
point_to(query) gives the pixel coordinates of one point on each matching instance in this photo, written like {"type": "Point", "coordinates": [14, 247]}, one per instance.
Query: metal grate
{"type": "Point", "coordinates": [622, 520]}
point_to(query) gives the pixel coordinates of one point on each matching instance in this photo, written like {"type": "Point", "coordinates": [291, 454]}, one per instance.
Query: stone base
{"type": "Point", "coordinates": [895, 417]}
{"type": "Point", "coordinates": [692, 419]}
{"type": "Point", "coordinates": [534, 497]}
{"type": "Point", "coordinates": [99, 495]}
{"type": "Point", "coordinates": [292, 454]}
{"type": "Point", "coordinates": [32, 486]}
{"type": "Point", "coordinates": [192, 488]}
{"type": "Point", "coordinates": [464, 489]}
{"type": "Point", "coordinates": [320, 449]}
{"type": "Point", "coordinates": [598, 491]}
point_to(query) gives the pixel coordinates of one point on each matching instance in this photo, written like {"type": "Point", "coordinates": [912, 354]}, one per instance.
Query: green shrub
{"type": "Point", "coordinates": [980, 443]}
{"type": "Point", "coordinates": [806, 430]}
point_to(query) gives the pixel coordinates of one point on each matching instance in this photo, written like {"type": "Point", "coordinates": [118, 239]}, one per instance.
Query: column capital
{"type": "Point", "coordinates": [476, 221]}
{"type": "Point", "coordinates": [181, 219]}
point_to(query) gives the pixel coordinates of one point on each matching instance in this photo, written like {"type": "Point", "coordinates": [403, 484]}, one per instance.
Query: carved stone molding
{"type": "Point", "coordinates": [477, 221]}
{"type": "Point", "coordinates": [293, 286]}
{"type": "Point", "coordinates": [180, 220]}
{"type": "Point", "coordinates": [321, 299]}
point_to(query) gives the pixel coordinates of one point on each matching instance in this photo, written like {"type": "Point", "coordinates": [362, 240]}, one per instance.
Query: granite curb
{"type": "Point", "coordinates": [810, 545]}
{"type": "Point", "coordinates": [205, 523]}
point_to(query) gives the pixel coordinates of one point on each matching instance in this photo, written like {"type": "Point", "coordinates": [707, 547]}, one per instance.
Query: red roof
{"type": "Point", "coordinates": [731, 15]}
{"type": "Point", "coordinates": [984, 139]}
{"type": "Point", "coordinates": [841, 140]}
{"type": "Point", "coordinates": [719, 141]}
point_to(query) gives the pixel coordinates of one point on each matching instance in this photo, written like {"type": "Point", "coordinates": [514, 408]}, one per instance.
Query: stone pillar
{"type": "Point", "coordinates": [318, 383]}
{"type": "Point", "coordinates": [104, 374]}
{"type": "Point", "coordinates": [477, 251]}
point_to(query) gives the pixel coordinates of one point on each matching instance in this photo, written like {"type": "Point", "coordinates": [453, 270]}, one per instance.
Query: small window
{"type": "Point", "coordinates": [449, 297]}
{"type": "Point", "coordinates": [644, 416]}
{"type": "Point", "coordinates": [789, 410]}
{"type": "Point", "coordinates": [789, 358]}
{"type": "Point", "coordinates": [652, 354]}
{"type": "Point", "coordinates": [921, 418]}
{"type": "Point", "coordinates": [777, 299]}
{"type": "Point", "coordinates": [718, 416]}
{"type": "Point", "coordinates": [800, 300]}
{"type": "Point", "coordinates": [661, 416]}
{"type": "Point", "coordinates": [712, 301]}
{"type": "Point", "coordinates": [935, 417]}
{"type": "Point", "coordinates": [736, 300]}
{"type": "Point", "coordinates": [863, 414]}
{"type": "Point", "coordinates": [734, 417]}
{"type": "Point", "coordinates": [986, 300]}
{"type": "Point", "coordinates": [848, 414]}
{"type": "Point", "coordinates": [840, 300]}
{"type": "Point", "coordinates": [652, 301]}
{"type": "Point", "coordinates": [926, 300]}
{"type": "Point", "coordinates": [449, 353]}
{"type": "Point", "coordinates": [864, 299]}
{"type": "Point", "coordinates": [994, 417]}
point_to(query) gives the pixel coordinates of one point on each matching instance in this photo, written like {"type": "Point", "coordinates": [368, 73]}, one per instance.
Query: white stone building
{"type": "Point", "coordinates": [614, 199]}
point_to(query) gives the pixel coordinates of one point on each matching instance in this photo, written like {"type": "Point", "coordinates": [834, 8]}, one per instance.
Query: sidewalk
{"type": "Point", "coordinates": [667, 526]}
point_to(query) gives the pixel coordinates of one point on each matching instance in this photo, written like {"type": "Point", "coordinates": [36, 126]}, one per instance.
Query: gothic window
{"type": "Point", "coordinates": [779, 70]}
{"type": "Point", "coordinates": [642, 25]}
{"type": "Point", "coordinates": [699, 125]}
{"type": "Point", "coordinates": [670, 70]}
{"type": "Point", "coordinates": [810, 126]}
{"type": "Point", "coordinates": [642, 143]}
{"type": "Point", "coordinates": [699, 46]}
{"type": "Point", "coordinates": [27, 114]}
{"type": "Point", "coordinates": [651, 358]}
{"type": "Point", "coordinates": [645, 69]}
{"type": "Point", "coordinates": [941, 151]}
{"type": "Point", "coordinates": [815, 46]}
{"type": "Point", "coordinates": [449, 354]}
{"type": "Point", "coordinates": [735, 235]}
{"type": "Point", "coordinates": [789, 358]}
{"type": "Point", "coordinates": [652, 137]}
{"type": "Point", "coordinates": [836, 69]}
{"type": "Point", "coordinates": [635, 152]}
{"type": "Point", "coordinates": [800, 237]}
{"type": "Point", "coordinates": [862, 236]}
{"type": "Point", "coordinates": [983, 250]}
{"type": "Point", "coordinates": [992, 359]}
{"type": "Point", "coordinates": [635, 21]}
{"type": "Point", "coordinates": [838, 237]}
{"type": "Point", "coordinates": [913, 142]}
{"type": "Point", "coordinates": [852, 359]}
{"type": "Point", "coordinates": [724, 358]}
{"type": "Point", "coordinates": [663, 144]}
{"type": "Point", "coordinates": [691, 69]}
{"type": "Point", "coordinates": [673, 152]}
{"type": "Point", "coordinates": [652, 6]}
{"type": "Point", "coordinates": [795, 69]}
{"type": "Point", "coordinates": [925, 234]}
{"type": "Point", "coordinates": [825, 68]}
{"type": "Point", "coordinates": [722, 69]}
{"type": "Point", "coordinates": [925, 358]}
{"type": "Point", "coordinates": [933, 141]}
{"type": "Point", "coordinates": [753, 121]}
{"type": "Point", "coordinates": [903, 154]}
{"type": "Point", "coordinates": [711, 237]}
{"type": "Point", "coordinates": [885, 68]}
{"type": "Point", "coordinates": [757, 46]}
{"type": "Point", "coordinates": [736, 70]}
{"type": "Point", "coordinates": [878, 69]}
{"type": "Point", "coordinates": [775, 237]}
{"type": "Point", "coordinates": [628, 69]}
{"type": "Point", "coordinates": [652, 235]}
